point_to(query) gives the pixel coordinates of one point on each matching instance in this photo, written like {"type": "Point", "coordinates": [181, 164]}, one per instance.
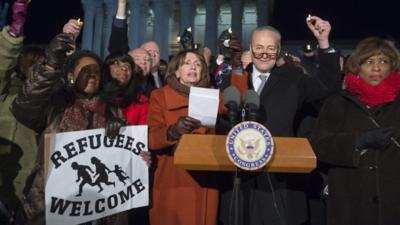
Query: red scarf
{"type": "Point", "coordinates": [386, 91]}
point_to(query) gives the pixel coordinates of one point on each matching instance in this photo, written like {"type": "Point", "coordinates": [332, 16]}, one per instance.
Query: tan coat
{"type": "Point", "coordinates": [179, 197]}
{"type": "Point", "coordinates": [18, 145]}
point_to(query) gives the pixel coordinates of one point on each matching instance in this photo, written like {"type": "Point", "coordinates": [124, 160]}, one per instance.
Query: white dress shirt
{"type": "Point", "coordinates": [255, 78]}
{"type": "Point", "coordinates": [157, 79]}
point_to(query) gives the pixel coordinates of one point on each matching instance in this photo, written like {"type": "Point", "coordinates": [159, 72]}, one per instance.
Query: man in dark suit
{"type": "Point", "coordinates": [268, 198]}
{"type": "Point", "coordinates": [158, 75]}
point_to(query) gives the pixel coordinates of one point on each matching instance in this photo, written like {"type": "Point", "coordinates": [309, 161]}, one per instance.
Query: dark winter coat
{"type": "Point", "coordinates": [18, 143]}
{"type": "Point", "coordinates": [40, 106]}
{"type": "Point", "coordinates": [286, 90]}
{"type": "Point", "coordinates": [363, 188]}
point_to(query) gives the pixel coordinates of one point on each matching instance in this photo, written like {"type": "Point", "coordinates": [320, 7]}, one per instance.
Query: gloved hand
{"type": "Point", "coordinates": [58, 48]}
{"type": "Point", "coordinates": [377, 138]}
{"type": "Point", "coordinates": [186, 39]}
{"type": "Point", "coordinates": [223, 42]}
{"type": "Point", "coordinates": [19, 9]}
{"type": "Point", "coordinates": [113, 125]}
{"type": "Point", "coordinates": [184, 125]}
{"type": "Point", "coordinates": [235, 51]}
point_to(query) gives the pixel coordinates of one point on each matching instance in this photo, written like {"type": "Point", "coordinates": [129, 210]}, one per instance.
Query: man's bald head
{"type": "Point", "coordinates": [154, 50]}
{"type": "Point", "coordinates": [142, 58]}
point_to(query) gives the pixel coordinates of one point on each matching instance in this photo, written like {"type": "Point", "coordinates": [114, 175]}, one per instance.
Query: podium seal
{"type": "Point", "coordinates": [249, 145]}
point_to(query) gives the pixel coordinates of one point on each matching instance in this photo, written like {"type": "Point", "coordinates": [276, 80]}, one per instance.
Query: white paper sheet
{"type": "Point", "coordinates": [203, 105]}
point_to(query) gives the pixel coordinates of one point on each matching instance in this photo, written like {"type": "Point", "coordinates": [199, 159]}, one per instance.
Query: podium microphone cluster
{"type": "Point", "coordinates": [247, 108]}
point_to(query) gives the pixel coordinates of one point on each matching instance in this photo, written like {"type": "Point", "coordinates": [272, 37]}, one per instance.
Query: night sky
{"type": "Point", "coordinates": [350, 19]}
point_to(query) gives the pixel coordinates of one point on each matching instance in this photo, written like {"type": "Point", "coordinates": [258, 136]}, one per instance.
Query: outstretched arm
{"type": "Point", "coordinates": [19, 10]}
{"type": "Point", "coordinates": [328, 79]}
{"type": "Point", "coordinates": [37, 95]}
{"type": "Point", "coordinates": [11, 38]}
{"type": "Point", "coordinates": [119, 31]}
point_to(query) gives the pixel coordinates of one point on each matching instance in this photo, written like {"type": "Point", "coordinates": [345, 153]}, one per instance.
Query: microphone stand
{"type": "Point", "coordinates": [237, 182]}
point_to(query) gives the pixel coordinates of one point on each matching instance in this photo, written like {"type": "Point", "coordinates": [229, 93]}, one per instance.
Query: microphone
{"type": "Point", "coordinates": [232, 102]}
{"type": "Point", "coordinates": [251, 103]}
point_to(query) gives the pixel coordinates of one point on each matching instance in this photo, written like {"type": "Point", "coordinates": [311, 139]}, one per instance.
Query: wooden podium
{"type": "Point", "coordinates": [208, 152]}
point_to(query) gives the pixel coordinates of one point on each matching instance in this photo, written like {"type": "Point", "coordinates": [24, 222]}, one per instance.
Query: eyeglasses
{"type": "Point", "coordinates": [153, 52]}
{"type": "Point", "coordinates": [142, 59]}
{"type": "Point", "coordinates": [269, 52]}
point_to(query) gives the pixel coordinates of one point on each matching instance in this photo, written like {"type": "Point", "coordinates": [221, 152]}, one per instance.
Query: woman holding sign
{"type": "Point", "coordinates": [61, 96]}
{"type": "Point", "coordinates": [179, 196]}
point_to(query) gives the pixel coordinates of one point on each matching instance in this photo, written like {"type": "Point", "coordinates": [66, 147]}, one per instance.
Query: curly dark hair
{"type": "Point", "coordinates": [112, 90]}
{"type": "Point", "coordinates": [73, 60]}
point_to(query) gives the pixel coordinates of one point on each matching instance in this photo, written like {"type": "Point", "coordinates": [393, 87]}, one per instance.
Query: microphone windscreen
{"type": "Point", "coordinates": [231, 94]}
{"type": "Point", "coordinates": [251, 97]}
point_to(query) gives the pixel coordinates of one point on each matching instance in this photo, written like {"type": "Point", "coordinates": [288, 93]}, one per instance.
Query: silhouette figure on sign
{"type": "Point", "coordinates": [83, 174]}
{"type": "Point", "coordinates": [101, 173]}
{"type": "Point", "coordinates": [122, 176]}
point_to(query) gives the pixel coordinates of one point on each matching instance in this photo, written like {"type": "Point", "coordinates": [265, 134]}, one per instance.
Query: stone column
{"type": "Point", "coordinates": [211, 32]}
{"type": "Point", "coordinates": [98, 27]}
{"type": "Point", "coordinates": [187, 10]}
{"type": "Point", "coordinates": [263, 12]}
{"type": "Point", "coordinates": [88, 19]}
{"type": "Point", "coordinates": [109, 14]}
{"type": "Point", "coordinates": [162, 9]}
{"type": "Point", "coordinates": [237, 17]}
{"type": "Point", "coordinates": [3, 13]}
{"type": "Point", "coordinates": [139, 10]}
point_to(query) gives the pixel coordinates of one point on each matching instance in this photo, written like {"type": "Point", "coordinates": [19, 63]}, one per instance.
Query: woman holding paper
{"type": "Point", "coordinates": [179, 196]}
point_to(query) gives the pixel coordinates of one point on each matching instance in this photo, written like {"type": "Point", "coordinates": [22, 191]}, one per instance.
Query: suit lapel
{"type": "Point", "coordinates": [271, 82]}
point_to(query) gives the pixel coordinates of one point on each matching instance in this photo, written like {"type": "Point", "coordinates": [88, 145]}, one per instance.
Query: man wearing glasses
{"type": "Point", "coordinates": [152, 48]}
{"type": "Point", "coordinates": [280, 198]}
{"type": "Point", "coordinates": [143, 59]}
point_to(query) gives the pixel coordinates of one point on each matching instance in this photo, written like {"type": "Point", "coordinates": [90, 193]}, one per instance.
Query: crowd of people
{"type": "Point", "coordinates": [353, 126]}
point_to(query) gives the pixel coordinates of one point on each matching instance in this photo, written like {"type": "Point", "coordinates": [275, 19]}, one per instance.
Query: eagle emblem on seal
{"type": "Point", "coordinates": [249, 147]}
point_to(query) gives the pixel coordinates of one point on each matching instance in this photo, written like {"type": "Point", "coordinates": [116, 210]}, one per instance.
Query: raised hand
{"type": "Point", "coordinates": [321, 30]}
{"type": "Point", "coordinates": [59, 46]}
{"type": "Point", "coordinates": [73, 27]}
{"type": "Point", "coordinates": [113, 126]}
{"type": "Point", "coordinates": [19, 10]}
{"type": "Point", "coordinates": [186, 39]}
{"type": "Point", "coordinates": [121, 10]}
